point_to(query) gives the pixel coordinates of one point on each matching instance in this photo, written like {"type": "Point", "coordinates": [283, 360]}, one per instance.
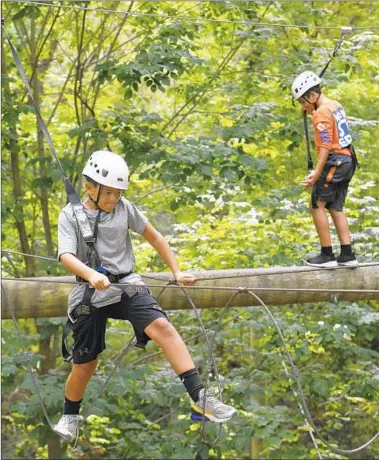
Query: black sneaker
{"type": "Point", "coordinates": [322, 260]}
{"type": "Point", "coordinates": [347, 260]}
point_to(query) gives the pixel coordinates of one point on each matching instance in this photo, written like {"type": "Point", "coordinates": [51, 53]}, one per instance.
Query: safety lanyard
{"type": "Point", "coordinates": [344, 32]}
{"type": "Point", "coordinates": [89, 236]}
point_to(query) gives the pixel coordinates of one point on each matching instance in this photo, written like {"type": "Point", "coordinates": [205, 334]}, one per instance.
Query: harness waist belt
{"type": "Point", "coordinates": [112, 278]}
{"type": "Point", "coordinates": [80, 310]}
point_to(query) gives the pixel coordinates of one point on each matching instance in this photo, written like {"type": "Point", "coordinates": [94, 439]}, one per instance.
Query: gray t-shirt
{"type": "Point", "coordinates": [113, 245]}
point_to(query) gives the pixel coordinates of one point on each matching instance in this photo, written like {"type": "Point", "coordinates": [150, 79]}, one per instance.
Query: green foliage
{"type": "Point", "coordinates": [202, 112]}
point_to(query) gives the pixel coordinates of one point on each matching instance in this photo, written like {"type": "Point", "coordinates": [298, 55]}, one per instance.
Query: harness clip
{"type": "Point", "coordinates": [73, 321]}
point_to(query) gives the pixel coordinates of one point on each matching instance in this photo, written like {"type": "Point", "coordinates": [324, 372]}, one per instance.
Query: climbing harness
{"type": "Point", "coordinates": [89, 237]}
{"type": "Point", "coordinates": [345, 31]}
{"type": "Point", "coordinates": [294, 371]}
{"type": "Point", "coordinates": [86, 231]}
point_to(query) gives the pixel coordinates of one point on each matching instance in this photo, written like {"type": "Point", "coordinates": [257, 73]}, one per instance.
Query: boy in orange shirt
{"type": "Point", "coordinates": [336, 163]}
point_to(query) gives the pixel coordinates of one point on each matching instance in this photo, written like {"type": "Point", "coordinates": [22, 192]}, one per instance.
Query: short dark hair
{"type": "Point", "coordinates": [315, 89]}
{"type": "Point", "coordinates": [90, 181]}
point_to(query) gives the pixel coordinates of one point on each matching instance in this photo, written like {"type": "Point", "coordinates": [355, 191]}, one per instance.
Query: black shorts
{"type": "Point", "coordinates": [334, 182]}
{"type": "Point", "coordinates": [137, 306]}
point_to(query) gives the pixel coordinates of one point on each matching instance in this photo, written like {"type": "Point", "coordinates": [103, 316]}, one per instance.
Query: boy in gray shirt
{"type": "Point", "coordinates": [111, 216]}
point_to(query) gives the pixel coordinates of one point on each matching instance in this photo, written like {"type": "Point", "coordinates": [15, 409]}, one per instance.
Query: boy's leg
{"type": "Point", "coordinates": [339, 187]}
{"type": "Point", "coordinates": [347, 256]}
{"type": "Point", "coordinates": [176, 352]}
{"type": "Point", "coordinates": [151, 323]}
{"type": "Point", "coordinates": [89, 342]}
{"type": "Point", "coordinates": [321, 222]}
{"type": "Point", "coordinates": [68, 425]}
{"type": "Point", "coordinates": [78, 379]}
{"type": "Point", "coordinates": [326, 257]}
{"type": "Point", "coordinates": [341, 225]}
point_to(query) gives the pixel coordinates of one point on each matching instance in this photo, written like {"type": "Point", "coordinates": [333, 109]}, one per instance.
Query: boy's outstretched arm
{"type": "Point", "coordinates": [162, 247]}
{"type": "Point", "coordinates": [75, 266]}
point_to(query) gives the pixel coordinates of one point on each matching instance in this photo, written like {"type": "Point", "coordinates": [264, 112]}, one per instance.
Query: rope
{"type": "Point", "coordinates": [302, 411]}
{"type": "Point", "coordinates": [121, 355]}
{"type": "Point", "coordinates": [213, 362]}
{"type": "Point", "coordinates": [124, 351]}
{"type": "Point", "coordinates": [295, 375]}
{"type": "Point", "coordinates": [190, 18]}
{"type": "Point", "coordinates": [259, 2]}
{"type": "Point", "coordinates": [8, 251]}
{"type": "Point", "coordinates": [281, 270]}
{"type": "Point", "coordinates": [184, 290]}
{"type": "Point", "coordinates": [27, 356]}
{"type": "Point", "coordinates": [302, 400]}
{"type": "Point", "coordinates": [30, 93]}
{"type": "Point", "coordinates": [215, 288]}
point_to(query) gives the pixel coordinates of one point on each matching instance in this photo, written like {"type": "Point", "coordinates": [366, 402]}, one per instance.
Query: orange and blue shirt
{"type": "Point", "coordinates": [332, 129]}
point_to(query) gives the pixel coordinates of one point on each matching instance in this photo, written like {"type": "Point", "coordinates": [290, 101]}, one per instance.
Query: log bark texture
{"type": "Point", "coordinates": [42, 298]}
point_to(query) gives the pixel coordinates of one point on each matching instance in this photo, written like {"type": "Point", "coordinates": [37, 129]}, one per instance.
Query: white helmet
{"type": "Point", "coordinates": [303, 83]}
{"type": "Point", "coordinates": [107, 168]}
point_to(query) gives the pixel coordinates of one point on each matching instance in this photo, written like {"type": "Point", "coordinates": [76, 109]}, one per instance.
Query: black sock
{"type": "Point", "coordinates": [327, 250]}
{"type": "Point", "coordinates": [71, 407]}
{"type": "Point", "coordinates": [192, 381]}
{"type": "Point", "coordinates": [346, 249]}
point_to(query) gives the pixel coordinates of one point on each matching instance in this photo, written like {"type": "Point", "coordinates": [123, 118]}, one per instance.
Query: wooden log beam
{"type": "Point", "coordinates": [43, 298]}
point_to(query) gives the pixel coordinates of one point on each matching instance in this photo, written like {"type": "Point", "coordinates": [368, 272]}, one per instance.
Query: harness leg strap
{"type": "Point", "coordinates": [83, 309]}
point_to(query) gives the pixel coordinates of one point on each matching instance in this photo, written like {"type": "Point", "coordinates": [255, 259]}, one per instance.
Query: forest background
{"type": "Point", "coordinates": [196, 97]}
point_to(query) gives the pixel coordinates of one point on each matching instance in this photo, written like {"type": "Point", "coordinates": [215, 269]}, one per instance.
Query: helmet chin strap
{"type": "Point", "coordinates": [313, 103]}
{"type": "Point", "coordinates": [96, 202]}
{"type": "Point", "coordinates": [98, 207]}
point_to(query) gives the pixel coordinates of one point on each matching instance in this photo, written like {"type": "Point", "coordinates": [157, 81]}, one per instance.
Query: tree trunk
{"type": "Point", "coordinates": [17, 188]}
{"type": "Point", "coordinates": [54, 447]}
{"type": "Point", "coordinates": [36, 86]}
{"type": "Point", "coordinates": [42, 298]}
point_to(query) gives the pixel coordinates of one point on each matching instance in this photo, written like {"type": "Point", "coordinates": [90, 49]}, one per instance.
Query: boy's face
{"type": "Point", "coordinates": [307, 104]}
{"type": "Point", "coordinates": [109, 197]}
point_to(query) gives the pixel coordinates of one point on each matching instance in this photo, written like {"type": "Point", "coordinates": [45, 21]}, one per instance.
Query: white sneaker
{"type": "Point", "coordinates": [210, 406]}
{"type": "Point", "coordinates": [68, 427]}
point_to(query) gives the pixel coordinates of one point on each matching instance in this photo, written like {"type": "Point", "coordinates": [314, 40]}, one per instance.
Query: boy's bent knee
{"type": "Point", "coordinates": [85, 369]}
{"type": "Point", "coordinates": [160, 327]}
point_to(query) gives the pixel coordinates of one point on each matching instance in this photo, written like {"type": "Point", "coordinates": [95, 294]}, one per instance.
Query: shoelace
{"type": "Point", "coordinates": [212, 400]}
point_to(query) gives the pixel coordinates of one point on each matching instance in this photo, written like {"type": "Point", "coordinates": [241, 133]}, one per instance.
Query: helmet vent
{"type": "Point", "coordinates": [108, 169]}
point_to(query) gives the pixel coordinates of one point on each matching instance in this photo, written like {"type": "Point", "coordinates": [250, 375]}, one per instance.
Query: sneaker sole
{"type": "Point", "coordinates": [210, 417]}
{"type": "Point", "coordinates": [351, 263]}
{"type": "Point", "coordinates": [331, 264]}
{"type": "Point", "coordinates": [197, 417]}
